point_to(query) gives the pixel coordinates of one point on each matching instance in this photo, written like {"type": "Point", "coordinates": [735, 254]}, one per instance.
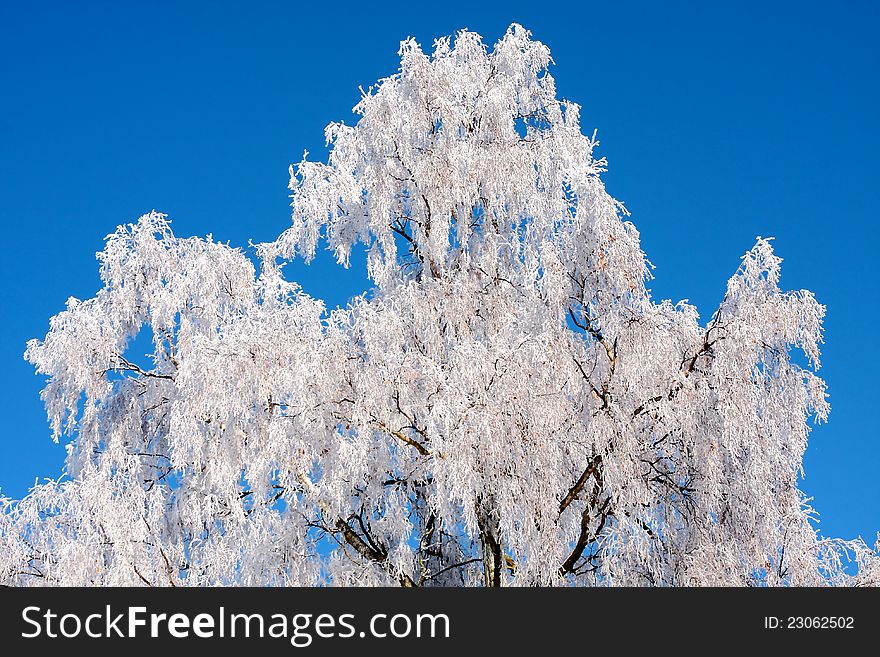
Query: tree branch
{"type": "Point", "coordinates": [420, 448]}
{"type": "Point", "coordinates": [591, 469]}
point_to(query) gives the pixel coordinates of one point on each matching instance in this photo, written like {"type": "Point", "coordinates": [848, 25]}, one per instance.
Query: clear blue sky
{"type": "Point", "coordinates": [720, 121]}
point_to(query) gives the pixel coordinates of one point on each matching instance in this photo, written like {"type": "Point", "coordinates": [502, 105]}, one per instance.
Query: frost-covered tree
{"type": "Point", "coordinates": [507, 406]}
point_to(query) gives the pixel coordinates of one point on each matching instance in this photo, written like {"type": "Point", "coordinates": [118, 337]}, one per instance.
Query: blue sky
{"type": "Point", "coordinates": [720, 122]}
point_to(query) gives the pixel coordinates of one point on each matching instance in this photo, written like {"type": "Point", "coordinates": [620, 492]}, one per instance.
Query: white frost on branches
{"type": "Point", "coordinates": [507, 406]}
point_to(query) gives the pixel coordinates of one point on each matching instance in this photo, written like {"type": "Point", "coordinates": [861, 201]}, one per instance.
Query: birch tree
{"type": "Point", "coordinates": [506, 406]}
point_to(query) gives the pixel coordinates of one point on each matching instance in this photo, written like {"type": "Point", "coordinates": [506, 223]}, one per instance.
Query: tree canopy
{"type": "Point", "coordinates": [507, 406]}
